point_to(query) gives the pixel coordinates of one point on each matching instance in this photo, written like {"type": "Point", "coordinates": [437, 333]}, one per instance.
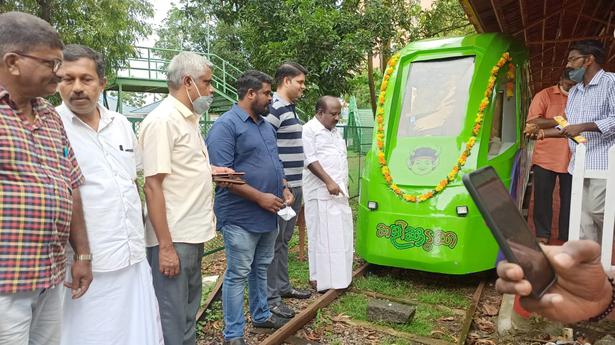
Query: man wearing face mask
{"type": "Point", "coordinates": [591, 113]}
{"type": "Point", "coordinates": [180, 210]}
{"type": "Point", "coordinates": [550, 159]}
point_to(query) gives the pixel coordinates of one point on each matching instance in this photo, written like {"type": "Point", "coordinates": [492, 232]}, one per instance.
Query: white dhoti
{"type": "Point", "coordinates": [119, 308]}
{"type": "Point", "coordinates": [330, 242]}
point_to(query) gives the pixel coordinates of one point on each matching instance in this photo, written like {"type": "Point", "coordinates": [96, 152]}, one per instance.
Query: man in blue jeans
{"type": "Point", "coordinates": [242, 140]}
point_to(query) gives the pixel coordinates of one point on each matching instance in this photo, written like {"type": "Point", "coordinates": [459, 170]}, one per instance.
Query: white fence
{"type": "Point", "coordinates": [578, 176]}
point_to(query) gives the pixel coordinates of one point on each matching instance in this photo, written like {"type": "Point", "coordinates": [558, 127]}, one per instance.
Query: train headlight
{"type": "Point", "coordinates": [462, 211]}
{"type": "Point", "coordinates": [372, 205]}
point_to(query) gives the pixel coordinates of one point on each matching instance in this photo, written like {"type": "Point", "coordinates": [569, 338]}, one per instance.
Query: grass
{"type": "Point", "coordinates": [425, 320]}
{"type": "Point", "coordinates": [391, 286]}
{"type": "Point", "coordinates": [298, 271]}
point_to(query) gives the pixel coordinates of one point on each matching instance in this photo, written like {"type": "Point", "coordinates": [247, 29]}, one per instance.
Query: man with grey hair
{"type": "Point", "coordinates": [178, 190]}
{"type": "Point", "coordinates": [40, 202]}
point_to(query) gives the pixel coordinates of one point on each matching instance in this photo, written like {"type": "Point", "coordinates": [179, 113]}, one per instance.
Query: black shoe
{"type": "Point", "coordinates": [298, 294]}
{"type": "Point", "coordinates": [282, 310]}
{"type": "Point", "coordinates": [273, 321]}
{"type": "Point", "coordinates": [236, 341]}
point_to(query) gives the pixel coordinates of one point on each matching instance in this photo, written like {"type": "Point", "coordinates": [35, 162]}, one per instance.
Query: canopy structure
{"type": "Point", "coordinates": [548, 28]}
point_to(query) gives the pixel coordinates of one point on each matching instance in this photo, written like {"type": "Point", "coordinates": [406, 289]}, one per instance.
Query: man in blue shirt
{"type": "Point", "coordinates": [242, 140]}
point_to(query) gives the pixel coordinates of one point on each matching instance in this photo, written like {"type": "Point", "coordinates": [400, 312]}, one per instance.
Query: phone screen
{"type": "Point", "coordinates": [509, 228]}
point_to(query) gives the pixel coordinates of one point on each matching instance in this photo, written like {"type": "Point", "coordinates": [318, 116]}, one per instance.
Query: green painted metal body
{"type": "Point", "coordinates": [430, 236]}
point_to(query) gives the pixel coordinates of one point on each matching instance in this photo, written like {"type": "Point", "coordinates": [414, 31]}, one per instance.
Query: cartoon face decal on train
{"type": "Point", "coordinates": [423, 160]}
{"type": "Point", "coordinates": [403, 236]}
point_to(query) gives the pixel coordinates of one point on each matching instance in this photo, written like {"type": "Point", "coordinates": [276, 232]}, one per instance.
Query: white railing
{"type": "Point", "coordinates": [579, 174]}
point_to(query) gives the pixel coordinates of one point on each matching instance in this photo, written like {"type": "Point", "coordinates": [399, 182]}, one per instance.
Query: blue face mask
{"type": "Point", "coordinates": [577, 74]}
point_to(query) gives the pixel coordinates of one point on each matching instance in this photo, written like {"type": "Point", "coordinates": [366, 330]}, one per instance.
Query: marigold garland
{"type": "Point", "coordinates": [463, 157]}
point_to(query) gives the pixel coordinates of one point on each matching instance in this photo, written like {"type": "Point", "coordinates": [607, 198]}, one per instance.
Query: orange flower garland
{"type": "Point", "coordinates": [463, 157]}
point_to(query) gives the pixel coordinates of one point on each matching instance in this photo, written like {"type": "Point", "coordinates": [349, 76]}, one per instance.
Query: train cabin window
{"type": "Point", "coordinates": [436, 97]}
{"type": "Point", "coordinates": [504, 126]}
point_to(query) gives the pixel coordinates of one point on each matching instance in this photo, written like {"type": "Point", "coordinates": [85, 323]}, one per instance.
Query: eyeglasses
{"type": "Point", "coordinates": [54, 64]}
{"type": "Point", "coordinates": [575, 58]}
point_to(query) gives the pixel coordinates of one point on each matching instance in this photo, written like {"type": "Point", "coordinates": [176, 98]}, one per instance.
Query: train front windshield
{"type": "Point", "coordinates": [436, 97]}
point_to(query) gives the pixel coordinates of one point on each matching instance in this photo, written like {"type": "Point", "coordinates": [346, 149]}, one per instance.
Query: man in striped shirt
{"type": "Point", "coordinates": [591, 113]}
{"type": "Point", "coordinates": [290, 81]}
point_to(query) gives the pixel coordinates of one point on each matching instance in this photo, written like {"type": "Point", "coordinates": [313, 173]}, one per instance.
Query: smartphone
{"type": "Point", "coordinates": [509, 228]}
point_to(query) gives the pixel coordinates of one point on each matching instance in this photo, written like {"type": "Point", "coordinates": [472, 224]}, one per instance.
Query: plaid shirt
{"type": "Point", "coordinates": [594, 102]}
{"type": "Point", "coordinates": [38, 171]}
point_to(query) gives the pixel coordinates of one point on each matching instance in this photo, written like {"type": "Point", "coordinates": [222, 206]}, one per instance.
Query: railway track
{"type": "Point", "coordinates": [286, 334]}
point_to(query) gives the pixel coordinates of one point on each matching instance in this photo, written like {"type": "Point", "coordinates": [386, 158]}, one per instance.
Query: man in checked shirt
{"type": "Point", "coordinates": [591, 112]}
{"type": "Point", "coordinates": [40, 204]}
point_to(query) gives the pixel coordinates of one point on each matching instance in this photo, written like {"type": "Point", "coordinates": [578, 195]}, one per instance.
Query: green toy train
{"type": "Point", "coordinates": [446, 107]}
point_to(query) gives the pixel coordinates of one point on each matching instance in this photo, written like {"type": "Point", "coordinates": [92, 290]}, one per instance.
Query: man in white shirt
{"type": "Point", "coordinates": [121, 306]}
{"type": "Point", "coordinates": [327, 214]}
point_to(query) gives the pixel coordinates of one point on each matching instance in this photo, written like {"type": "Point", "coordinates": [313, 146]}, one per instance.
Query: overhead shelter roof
{"type": "Point", "coordinates": [548, 28]}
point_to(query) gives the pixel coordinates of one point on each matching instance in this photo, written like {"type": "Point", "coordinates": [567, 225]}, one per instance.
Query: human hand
{"type": "Point", "coordinates": [270, 202]}
{"type": "Point", "coordinates": [221, 170]}
{"type": "Point", "coordinates": [333, 188]}
{"type": "Point", "coordinates": [168, 261]}
{"type": "Point", "coordinates": [572, 131]}
{"type": "Point", "coordinates": [531, 130]}
{"type": "Point", "coordinates": [289, 198]}
{"type": "Point", "coordinates": [582, 290]}
{"type": "Point", "coordinates": [81, 275]}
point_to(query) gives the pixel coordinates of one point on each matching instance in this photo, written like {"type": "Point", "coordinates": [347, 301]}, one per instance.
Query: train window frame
{"type": "Point", "coordinates": [504, 120]}
{"type": "Point", "coordinates": [464, 69]}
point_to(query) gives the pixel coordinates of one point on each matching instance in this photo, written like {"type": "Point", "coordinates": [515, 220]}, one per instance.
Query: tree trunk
{"type": "Point", "coordinates": [370, 78]}
{"type": "Point", "coordinates": [44, 11]}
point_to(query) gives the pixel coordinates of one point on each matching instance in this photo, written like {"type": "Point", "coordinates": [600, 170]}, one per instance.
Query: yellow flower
{"type": "Point", "coordinates": [379, 119]}
{"type": "Point", "coordinates": [380, 111]}
{"type": "Point", "coordinates": [380, 144]}
{"type": "Point", "coordinates": [381, 127]}
{"type": "Point", "coordinates": [383, 87]}
{"type": "Point", "coordinates": [483, 104]}
{"type": "Point", "coordinates": [396, 189]}
{"type": "Point", "coordinates": [381, 98]}
{"type": "Point", "coordinates": [388, 178]}
{"type": "Point", "coordinates": [409, 197]}
{"type": "Point", "coordinates": [385, 170]}
{"type": "Point", "coordinates": [472, 140]}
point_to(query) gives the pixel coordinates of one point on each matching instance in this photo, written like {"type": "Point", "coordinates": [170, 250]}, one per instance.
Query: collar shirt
{"type": "Point", "coordinates": [113, 215]}
{"type": "Point", "coordinates": [329, 149]}
{"type": "Point", "coordinates": [551, 153]}
{"type": "Point", "coordinates": [287, 125]}
{"type": "Point", "coordinates": [171, 141]}
{"type": "Point", "coordinates": [38, 172]}
{"type": "Point", "coordinates": [594, 102]}
{"type": "Point", "coordinates": [237, 142]}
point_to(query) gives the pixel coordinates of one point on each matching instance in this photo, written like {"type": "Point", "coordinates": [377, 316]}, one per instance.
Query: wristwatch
{"type": "Point", "coordinates": [82, 257]}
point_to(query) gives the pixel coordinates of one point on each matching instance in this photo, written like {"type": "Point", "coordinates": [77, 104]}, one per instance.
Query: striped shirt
{"type": "Point", "coordinates": [288, 129]}
{"type": "Point", "coordinates": [594, 103]}
{"type": "Point", "coordinates": [38, 172]}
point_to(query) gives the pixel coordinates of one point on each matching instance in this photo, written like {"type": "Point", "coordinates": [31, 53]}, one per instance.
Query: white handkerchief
{"type": "Point", "coordinates": [287, 213]}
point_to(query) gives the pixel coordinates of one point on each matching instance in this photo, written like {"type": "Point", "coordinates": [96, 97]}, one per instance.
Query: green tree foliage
{"type": "Point", "coordinates": [332, 39]}
{"type": "Point", "coordinates": [111, 27]}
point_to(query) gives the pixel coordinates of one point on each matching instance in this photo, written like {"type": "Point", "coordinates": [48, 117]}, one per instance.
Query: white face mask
{"type": "Point", "coordinates": [201, 104]}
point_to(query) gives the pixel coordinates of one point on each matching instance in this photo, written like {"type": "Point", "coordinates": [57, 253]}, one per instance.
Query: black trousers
{"type": "Point", "coordinates": [544, 183]}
